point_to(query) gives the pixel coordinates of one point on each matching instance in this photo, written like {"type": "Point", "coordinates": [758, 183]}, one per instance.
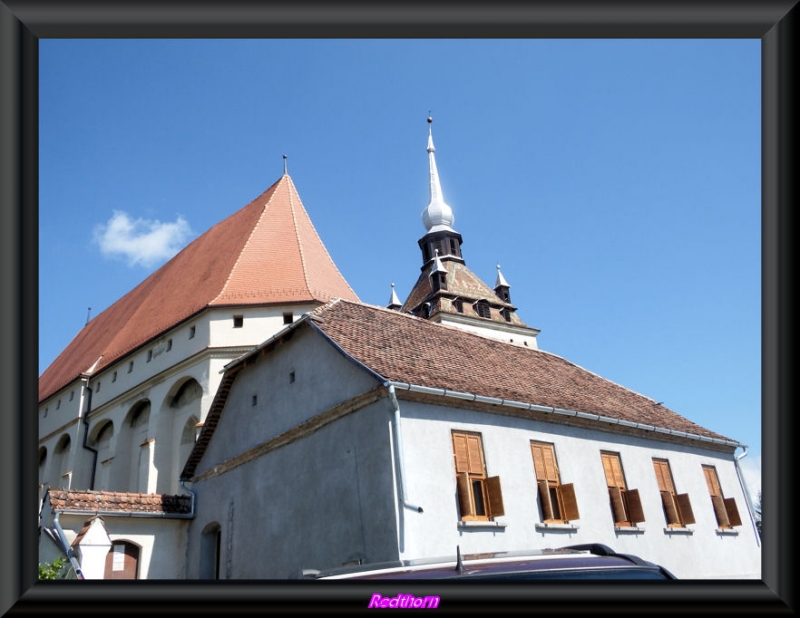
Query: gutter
{"type": "Point", "coordinates": [399, 449]}
{"type": "Point", "coordinates": [746, 493]}
{"type": "Point", "coordinates": [65, 547]}
{"type": "Point", "coordinates": [86, 433]}
{"type": "Point", "coordinates": [427, 390]}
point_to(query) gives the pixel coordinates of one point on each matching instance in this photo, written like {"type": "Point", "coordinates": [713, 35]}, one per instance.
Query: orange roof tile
{"type": "Point", "coordinates": [87, 500]}
{"type": "Point", "coordinates": [266, 253]}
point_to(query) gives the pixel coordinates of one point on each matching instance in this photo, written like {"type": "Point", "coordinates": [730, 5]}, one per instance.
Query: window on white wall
{"type": "Point", "coordinates": [626, 507]}
{"type": "Point", "coordinates": [725, 509]}
{"type": "Point", "coordinates": [479, 495]}
{"type": "Point", "coordinates": [677, 507]}
{"type": "Point", "coordinates": [557, 500]}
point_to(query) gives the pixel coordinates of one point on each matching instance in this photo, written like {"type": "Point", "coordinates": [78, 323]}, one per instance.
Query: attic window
{"type": "Point", "coordinates": [71, 395]}
{"type": "Point", "coordinates": [255, 400]}
{"type": "Point", "coordinates": [169, 344]}
{"type": "Point", "coordinates": [114, 377]}
{"type": "Point", "coordinates": [97, 388]}
{"type": "Point", "coordinates": [192, 331]}
{"type": "Point", "coordinates": [130, 366]}
{"type": "Point", "coordinates": [291, 376]}
{"type": "Point", "coordinates": [482, 309]}
{"type": "Point", "coordinates": [288, 318]}
{"type": "Point", "coordinates": [149, 355]}
{"type": "Point", "coordinates": [459, 305]}
{"type": "Point", "coordinates": [58, 404]}
{"type": "Point", "coordinates": [238, 321]}
{"type": "Point", "coordinates": [506, 314]}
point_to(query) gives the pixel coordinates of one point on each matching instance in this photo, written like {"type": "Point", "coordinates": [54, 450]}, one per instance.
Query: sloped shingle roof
{"type": "Point", "coordinates": [403, 348]}
{"type": "Point", "coordinates": [268, 252]}
{"type": "Point", "coordinates": [86, 500]}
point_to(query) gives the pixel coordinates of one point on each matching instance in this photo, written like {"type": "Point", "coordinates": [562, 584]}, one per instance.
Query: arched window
{"type": "Point", "coordinates": [42, 464]}
{"type": "Point", "coordinates": [210, 545]}
{"type": "Point", "coordinates": [60, 471]}
{"type": "Point", "coordinates": [105, 455]}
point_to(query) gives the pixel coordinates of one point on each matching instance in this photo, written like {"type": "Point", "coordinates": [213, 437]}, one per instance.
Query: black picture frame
{"type": "Point", "coordinates": [24, 22]}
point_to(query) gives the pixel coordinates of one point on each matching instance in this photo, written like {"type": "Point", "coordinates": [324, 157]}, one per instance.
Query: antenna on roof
{"type": "Point", "coordinates": [285, 173]}
{"type": "Point", "coordinates": [88, 315]}
{"type": "Point", "coordinates": [459, 564]}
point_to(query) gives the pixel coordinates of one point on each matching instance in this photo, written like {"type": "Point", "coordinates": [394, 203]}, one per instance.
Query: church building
{"type": "Point", "coordinates": [243, 403]}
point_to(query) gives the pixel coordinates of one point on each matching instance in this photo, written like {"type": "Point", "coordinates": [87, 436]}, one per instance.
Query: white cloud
{"type": "Point", "coordinates": [141, 242]}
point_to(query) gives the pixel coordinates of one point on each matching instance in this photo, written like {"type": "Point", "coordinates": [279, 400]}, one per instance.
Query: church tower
{"type": "Point", "coordinates": [450, 293]}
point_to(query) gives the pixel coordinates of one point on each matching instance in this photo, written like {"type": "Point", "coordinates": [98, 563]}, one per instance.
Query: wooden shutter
{"type": "Point", "coordinates": [720, 511]}
{"type": "Point", "coordinates": [468, 453]}
{"type": "Point", "coordinates": [465, 495]}
{"type": "Point", "coordinates": [544, 498]}
{"type": "Point", "coordinates": [494, 496]}
{"type": "Point", "coordinates": [634, 504]}
{"type": "Point", "coordinates": [544, 462]}
{"type": "Point", "coordinates": [712, 480]}
{"type": "Point", "coordinates": [460, 452]}
{"type": "Point", "coordinates": [670, 508]}
{"type": "Point", "coordinates": [663, 476]}
{"type": "Point", "coordinates": [475, 452]}
{"type": "Point", "coordinates": [684, 509]}
{"type": "Point", "coordinates": [612, 466]}
{"type": "Point", "coordinates": [617, 505]}
{"type": "Point", "coordinates": [566, 494]}
{"type": "Point", "coordinates": [732, 511]}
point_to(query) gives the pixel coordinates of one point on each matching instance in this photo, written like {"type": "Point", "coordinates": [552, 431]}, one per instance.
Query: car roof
{"type": "Point", "coordinates": [498, 565]}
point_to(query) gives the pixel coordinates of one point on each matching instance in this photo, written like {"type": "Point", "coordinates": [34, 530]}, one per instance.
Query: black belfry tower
{"type": "Point", "coordinates": [450, 293]}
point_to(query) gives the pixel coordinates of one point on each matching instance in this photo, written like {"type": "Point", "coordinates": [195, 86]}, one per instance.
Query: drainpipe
{"type": "Point", "coordinates": [746, 493]}
{"type": "Point", "coordinates": [73, 560]}
{"type": "Point", "coordinates": [398, 444]}
{"type": "Point", "coordinates": [86, 434]}
{"type": "Point", "coordinates": [192, 494]}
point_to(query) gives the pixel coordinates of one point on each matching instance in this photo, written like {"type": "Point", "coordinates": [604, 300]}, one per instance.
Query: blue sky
{"type": "Point", "coordinates": [616, 182]}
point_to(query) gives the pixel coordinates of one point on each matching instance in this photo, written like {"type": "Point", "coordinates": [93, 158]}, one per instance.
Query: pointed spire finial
{"type": "Point", "coordinates": [437, 214]}
{"type": "Point", "coordinates": [394, 301]}
{"type": "Point", "coordinates": [285, 173]}
{"type": "Point", "coordinates": [501, 280]}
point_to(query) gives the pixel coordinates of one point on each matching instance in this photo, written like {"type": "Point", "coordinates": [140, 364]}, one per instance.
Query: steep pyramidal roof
{"type": "Point", "coordinates": [266, 253]}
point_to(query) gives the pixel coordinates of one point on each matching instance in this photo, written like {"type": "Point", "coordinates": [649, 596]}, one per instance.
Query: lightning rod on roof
{"type": "Point", "coordinates": [284, 166]}
{"type": "Point", "coordinates": [88, 315]}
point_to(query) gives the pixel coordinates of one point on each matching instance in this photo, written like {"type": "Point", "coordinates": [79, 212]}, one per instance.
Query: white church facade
{"type": "Point", "coordinates": [242, 400]}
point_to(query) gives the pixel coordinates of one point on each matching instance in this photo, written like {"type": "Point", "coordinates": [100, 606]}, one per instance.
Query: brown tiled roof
{"type": "Point", "coordinates": [403, 348]}
{"type": "Point", "coordinates": [86, 500]}
{"type": "Point", "coordinates": [268, 252]}
{"type": "Point", "coordinates": [462, 283]}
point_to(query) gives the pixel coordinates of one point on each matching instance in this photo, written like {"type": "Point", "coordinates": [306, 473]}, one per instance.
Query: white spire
{"type": "Point", "coordinates": [394, 301]}
{"type": "Point", "coordinates": [501, 280]}
{"type": "Point", "coordinates": [438, 267]}
{"type": "Point", "coordinates": [437, 215]}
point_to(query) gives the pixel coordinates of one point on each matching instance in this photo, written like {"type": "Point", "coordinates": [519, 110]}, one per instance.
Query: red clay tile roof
{"type": "Point", "coordinates": [268, 252]}
{"type": "Point", "coordinates": [122, 502]}
{"type": "Point", "coordinates": [403, 348]}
